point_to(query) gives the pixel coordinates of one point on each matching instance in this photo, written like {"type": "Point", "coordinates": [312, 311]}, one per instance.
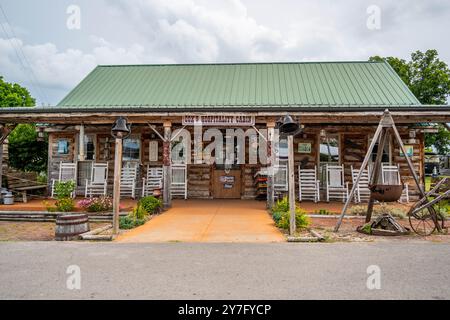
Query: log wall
{"type": "Point", "coordinates": [354, 141]}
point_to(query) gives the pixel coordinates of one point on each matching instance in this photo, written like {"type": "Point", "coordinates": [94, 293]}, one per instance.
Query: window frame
{"type": "Point", "coordinates": [139, 140]}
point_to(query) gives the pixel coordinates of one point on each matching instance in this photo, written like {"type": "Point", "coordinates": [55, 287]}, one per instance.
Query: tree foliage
{"type": "Point", "coordinates": [13, 95]}
{"type": "Point", "coordinates": [428, 78]}
{"type": "Point", "coordinates": [25, 153]}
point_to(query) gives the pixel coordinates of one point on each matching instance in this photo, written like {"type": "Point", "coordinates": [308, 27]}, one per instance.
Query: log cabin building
{"type": "Point", "coordinates": [338, 104]}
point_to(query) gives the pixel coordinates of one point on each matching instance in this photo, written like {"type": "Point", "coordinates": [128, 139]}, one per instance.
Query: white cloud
{"type": "Point", "coordinates": [56, 69]}
{"type": "Point", "coordinates": [188, 31]}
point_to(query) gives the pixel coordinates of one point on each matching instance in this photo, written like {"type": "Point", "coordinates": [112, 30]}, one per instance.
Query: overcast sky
{"type": "Point", "coordinates": [189, 31]}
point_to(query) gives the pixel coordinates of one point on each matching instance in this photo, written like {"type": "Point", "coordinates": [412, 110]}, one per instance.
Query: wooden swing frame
{"type": "Point", "coordinates": [384, 129]}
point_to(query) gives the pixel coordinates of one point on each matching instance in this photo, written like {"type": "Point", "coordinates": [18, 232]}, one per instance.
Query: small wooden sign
{"type": "Point", "coordinates": [226, 179]}
{"type": "Point", "coordinates": [304, 147]}
{"type": "Point", "coordinates": [153, 151]}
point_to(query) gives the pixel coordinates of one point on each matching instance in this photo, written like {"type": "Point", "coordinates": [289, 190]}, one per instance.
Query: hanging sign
{"type": "Point", "coordinates": [226, 179]}
{"type": "Point", "coordinates": [219, 120]}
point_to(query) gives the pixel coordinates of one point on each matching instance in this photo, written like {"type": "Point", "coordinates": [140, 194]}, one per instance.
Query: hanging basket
{"type": "Point", "coordinates": [386, 192]}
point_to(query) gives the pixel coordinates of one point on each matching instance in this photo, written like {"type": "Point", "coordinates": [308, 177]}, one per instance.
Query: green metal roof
{"type": "Point", "coordinates": [241, 85]}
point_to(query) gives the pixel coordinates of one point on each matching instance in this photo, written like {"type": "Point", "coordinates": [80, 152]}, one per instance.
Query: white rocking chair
{"type": "Point", "coordinates": [97, 185]}
{"type": "Point", "coordinates": [308, 185]}
{"type": "Point", "coordinates": [336, 186]}
{"type": "Point", "coordinates": [128, 182]}
{"type": "Point", "coordinates": [280, 178]}
{"type": "Point", "coordinates": [152, 181]}
{"type": "Point", "coordinates": [390, 174]}
{"type": "Point", "coordinates": [67, 172]}
{"type": "Point", "coordinates": [178, 185]}
{"type": "Point", "coordinates": [362, 189]}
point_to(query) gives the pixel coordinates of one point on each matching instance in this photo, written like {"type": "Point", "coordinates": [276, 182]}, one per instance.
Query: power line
{"type": "Point", "coordinates": [35, 83]}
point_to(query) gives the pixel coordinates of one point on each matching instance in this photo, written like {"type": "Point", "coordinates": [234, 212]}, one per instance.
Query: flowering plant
{"type": "Point", "coordinates": [98, 204]}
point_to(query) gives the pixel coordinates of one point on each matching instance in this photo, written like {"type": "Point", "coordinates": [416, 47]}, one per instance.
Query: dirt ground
{"type": "Point", "coordinates": [32, 231]}
{"type": "Point", "coordinates": [347, 231]}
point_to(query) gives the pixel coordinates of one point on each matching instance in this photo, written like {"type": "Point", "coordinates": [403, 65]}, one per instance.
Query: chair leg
{"type": "Point", "coordinates": [53, 188]}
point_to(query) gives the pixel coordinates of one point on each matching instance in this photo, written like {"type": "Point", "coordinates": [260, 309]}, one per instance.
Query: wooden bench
{"type": "Point", "coordinates": [22, 183]}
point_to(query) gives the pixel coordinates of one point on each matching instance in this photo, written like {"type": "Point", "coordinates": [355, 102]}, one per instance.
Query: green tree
{"type": "Point", "coordinates": [428, 78]}
{"type": "Point", "coordinates": [25, 153]}
{"type": "Point", "coordinates": [13, 95]}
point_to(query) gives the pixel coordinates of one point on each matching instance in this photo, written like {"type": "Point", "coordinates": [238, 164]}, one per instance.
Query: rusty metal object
{"type": "Point", "coordinates": [386, 193]}
{"type": "Point", "coordinates": [384, 225]}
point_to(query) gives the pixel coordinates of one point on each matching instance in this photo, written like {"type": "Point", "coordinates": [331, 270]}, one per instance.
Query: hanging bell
{"type": "Point", "coordinates": [289, 126]}
{"type": "Point", "coordinates": [120, 127]}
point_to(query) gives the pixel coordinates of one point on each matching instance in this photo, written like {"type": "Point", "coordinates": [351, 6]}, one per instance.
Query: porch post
{"type": "Point", "coordinates": [270, 190]}
{"type": "Point", "coordinates": [167, 168]}
{"type": "Point", "coordinates": [116, 191]}
{"type": "Point", "coordinates": [292, 226]}
{"type": "Point", "coordinates": [81, 154]}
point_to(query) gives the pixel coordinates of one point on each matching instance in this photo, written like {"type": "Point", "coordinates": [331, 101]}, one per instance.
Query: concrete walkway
{"type": "Point", "coordinates": [208, 221]}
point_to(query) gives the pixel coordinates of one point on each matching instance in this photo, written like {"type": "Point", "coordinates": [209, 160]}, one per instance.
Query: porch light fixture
{"type": "Point", "coordinates": [121, 129]}
{"type": "Point", "coordinates": [323, 134]}
{"type": "Point", "coordinates": [290, 127]}
{"type": "Point", "coordinates": [40, 134]}
{"type": "Point", "coordinates": [412, 136]}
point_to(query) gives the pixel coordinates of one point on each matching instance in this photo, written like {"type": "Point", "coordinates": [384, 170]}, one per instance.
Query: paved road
{"type": "Point", "coordinates": [37, 270]}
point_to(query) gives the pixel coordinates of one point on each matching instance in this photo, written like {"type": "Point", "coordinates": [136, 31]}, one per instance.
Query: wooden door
{"type": "Point", "coordinates": [226, 185]}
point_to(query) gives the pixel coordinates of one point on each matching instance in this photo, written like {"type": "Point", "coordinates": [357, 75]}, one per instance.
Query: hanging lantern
{"type": "Point", "coordinates": [323, 134]}
{"type": "Point", "coordinates": [412, 136]}
{"type": "Point", "coordinates": [40, 134]}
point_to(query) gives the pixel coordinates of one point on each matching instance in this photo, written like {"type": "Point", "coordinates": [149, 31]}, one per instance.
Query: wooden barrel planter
{"type": "Point", "coordinates": [70, 226]}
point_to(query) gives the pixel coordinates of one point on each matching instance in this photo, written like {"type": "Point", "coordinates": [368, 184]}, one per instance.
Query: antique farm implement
{"type": "Point", "coordinates": [423, 216]}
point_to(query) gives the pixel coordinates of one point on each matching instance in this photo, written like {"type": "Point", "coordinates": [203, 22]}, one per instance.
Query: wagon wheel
{"type": "Point", "coordinates": [423, 221]}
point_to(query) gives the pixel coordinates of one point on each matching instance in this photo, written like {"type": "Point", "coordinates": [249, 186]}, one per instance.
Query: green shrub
{"type": "Point", "coordinates": [281, 205]}
{"type": "Point", "coordinates": [301, 220]}
{"type": "Point", "coordinates": [276, 216]}
{"type": "Point", "coordinates": [280, 214]}
{"type": "Point", "coordinates": [64, 189]}
{"type": "Point", "coordinates": [324, 212]}
{"type": "Point", "coordinates": [138, 212]}
{"type": "Point", "coordinates": [65, 205]}
{"type": "Point", "coordinates": [150, 204]}
{"type": "Point", "coordinates": [367, 228]}
{"type": "Point", "coordinates": [129, 222]}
